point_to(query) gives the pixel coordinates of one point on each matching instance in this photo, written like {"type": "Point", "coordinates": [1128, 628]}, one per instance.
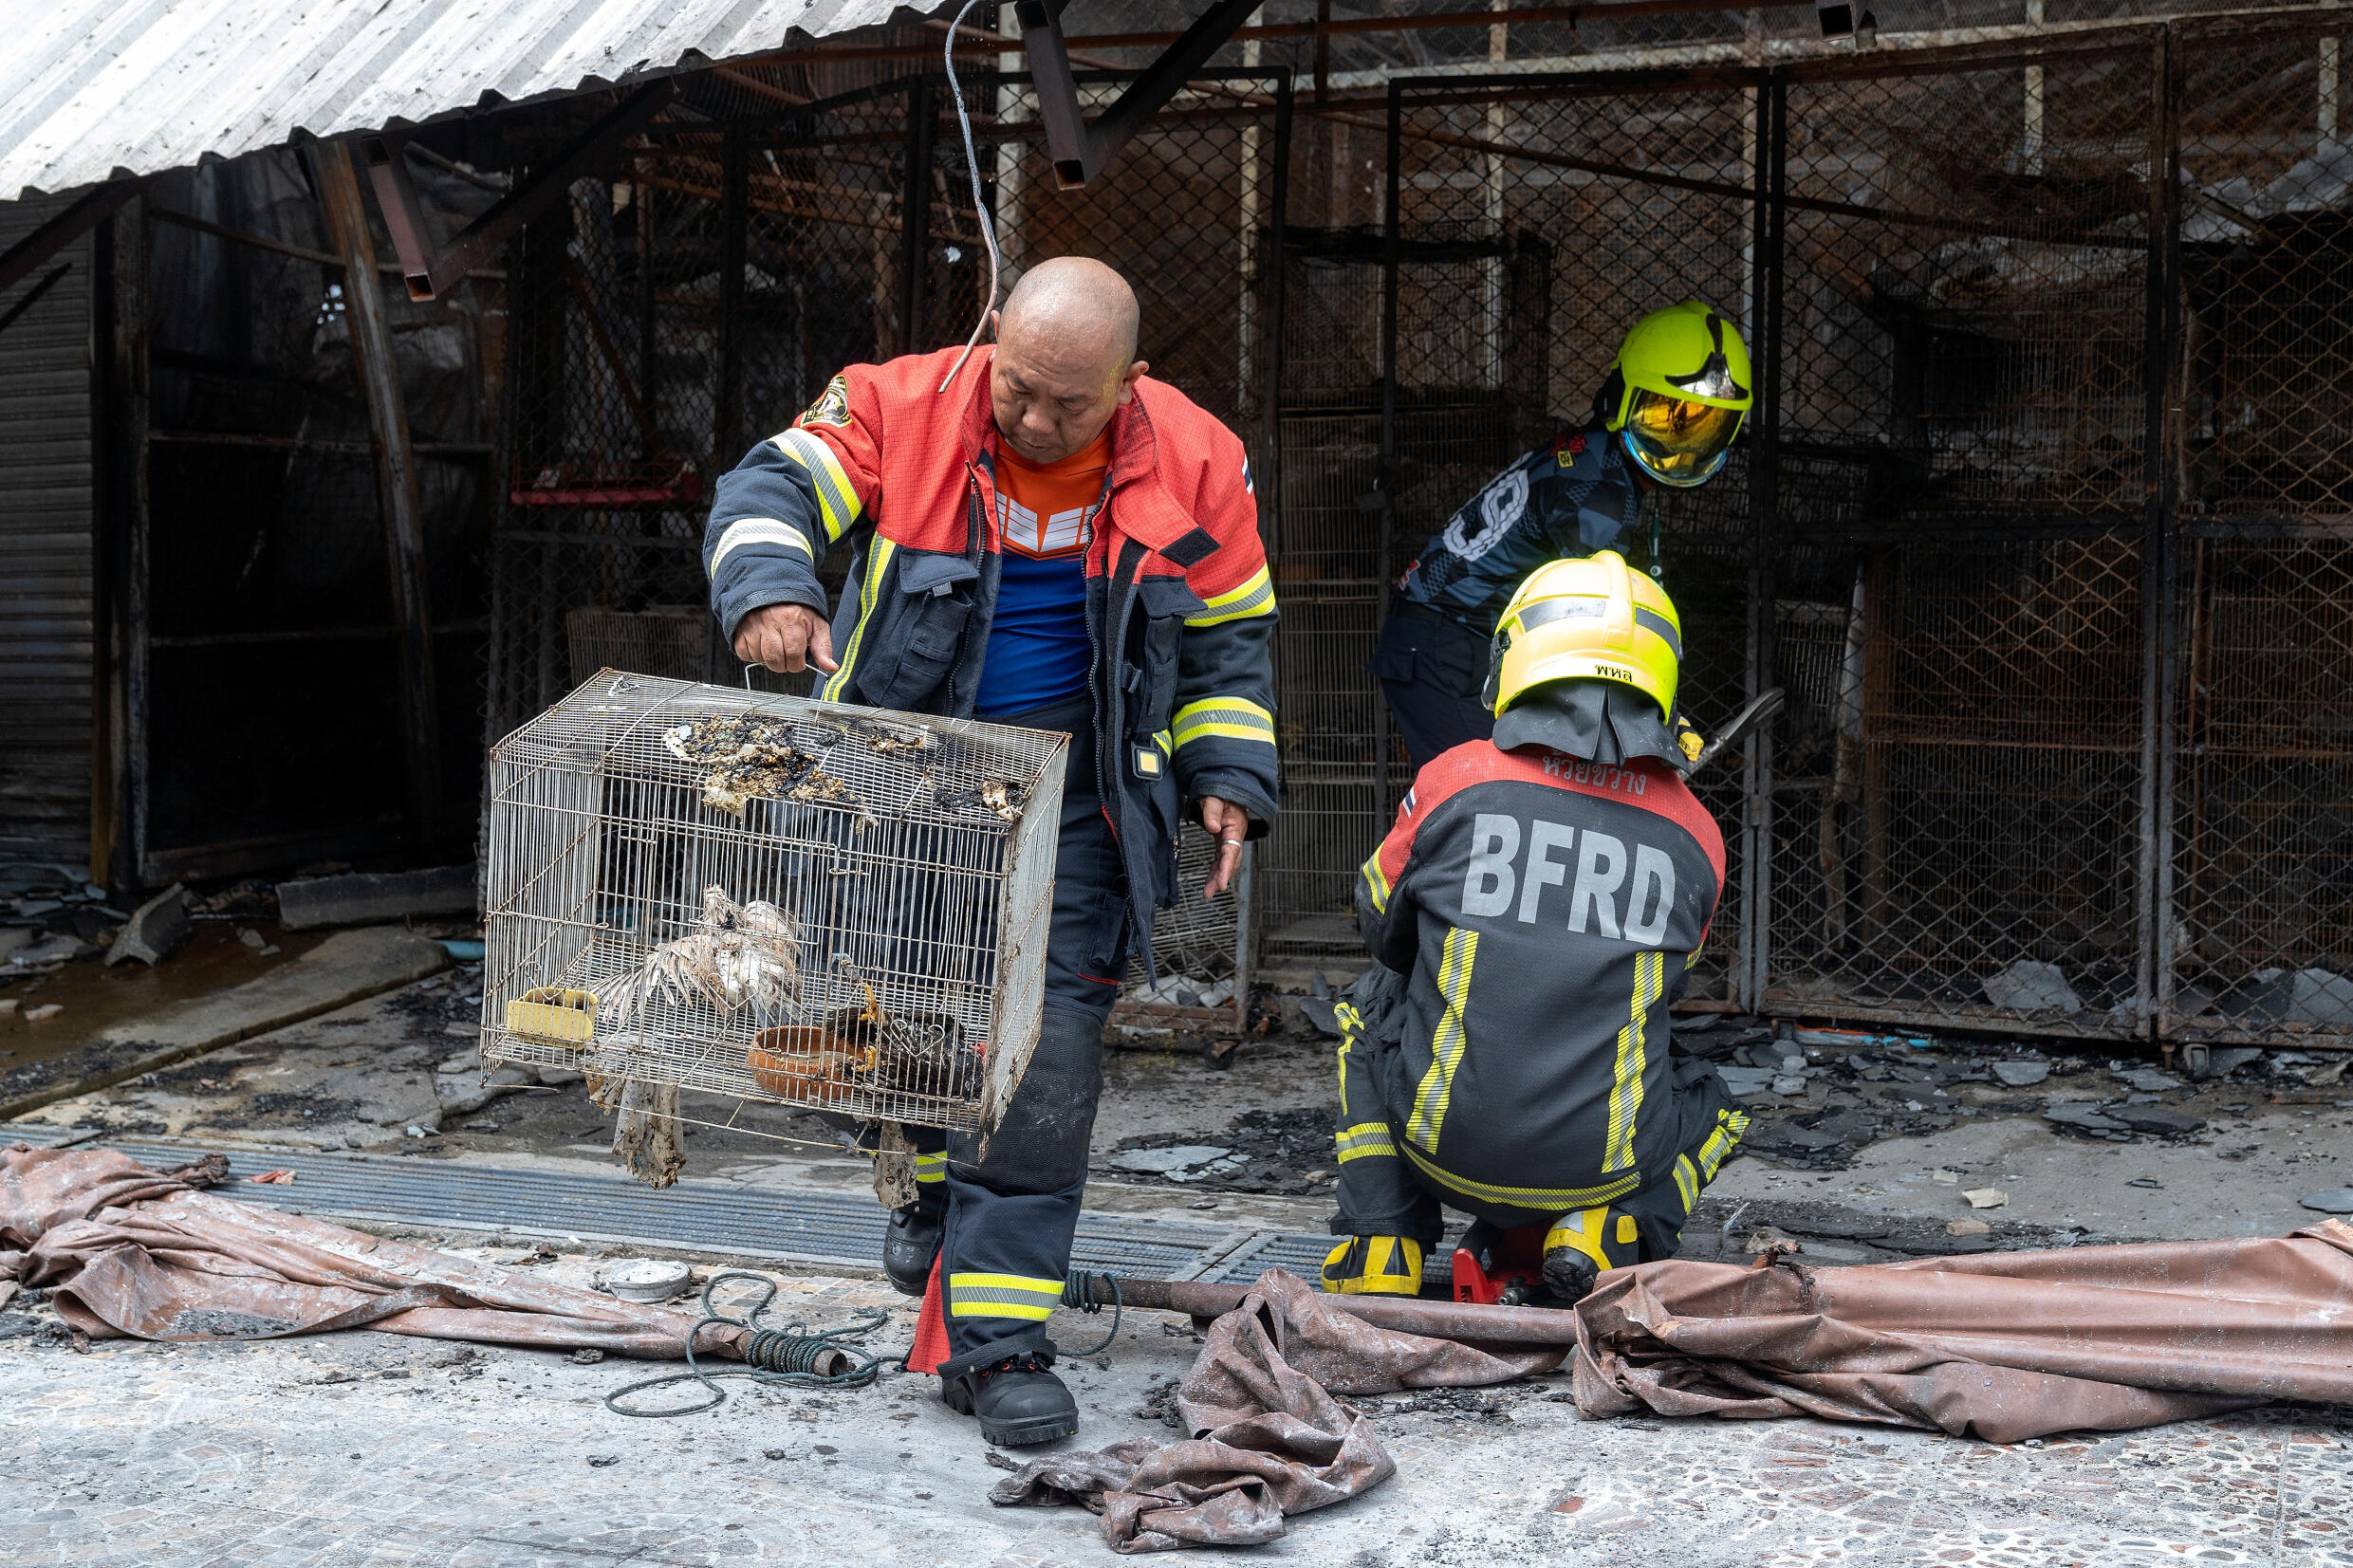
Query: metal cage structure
{"type": "Point", "coordinates": [765, 897]}
{"type": "Point", "coordinates": [2041, 520]}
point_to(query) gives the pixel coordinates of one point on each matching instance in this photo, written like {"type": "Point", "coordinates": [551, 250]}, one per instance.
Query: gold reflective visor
{"type": "Point", "coordinates": [1676, 427]}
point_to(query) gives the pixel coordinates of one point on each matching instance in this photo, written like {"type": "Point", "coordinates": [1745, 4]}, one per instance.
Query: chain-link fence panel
{"type": "Point", "coordinates": [1963, 428]}
{"type": "Point", "coordinates": [2066, 745]}
{"type": "Point", "coordinates": [2260, 892]}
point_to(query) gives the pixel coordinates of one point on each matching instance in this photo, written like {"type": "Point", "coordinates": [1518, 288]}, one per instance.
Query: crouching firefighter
{"type": "Point", "coordinates": [1533, 914]}
{"type": "Point", "coordinates": [1043, 537]}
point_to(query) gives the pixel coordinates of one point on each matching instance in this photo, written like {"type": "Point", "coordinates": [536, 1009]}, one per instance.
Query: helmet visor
{"type": "Point", "coordinates": [1679, 441]}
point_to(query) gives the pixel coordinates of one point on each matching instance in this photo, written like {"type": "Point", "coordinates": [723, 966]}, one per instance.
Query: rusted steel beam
{"type": "Point", "coordinates": [431, 269]}
{"type": "Point", "coordinates": [100, 203]}
{"type": "Point", "coordinates": [402, 511]}
{"type": "Point", "coordinates": [1488, 1325]}
{"type": "Point", "coordinates": [976, 40]}
{"type": "Point", "coordinates": [1077, 149]}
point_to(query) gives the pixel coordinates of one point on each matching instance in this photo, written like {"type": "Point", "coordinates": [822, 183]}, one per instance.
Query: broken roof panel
{"type": "Point", "coordinates": [96, 89]}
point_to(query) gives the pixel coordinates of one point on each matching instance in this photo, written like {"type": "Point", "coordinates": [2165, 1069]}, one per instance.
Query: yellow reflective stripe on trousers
{"type": "Point", "coordinates": [1367, 1138]}
{"type": "Point", "coordinates": [1449, 1043]}
{"type": "Point", "coordinates": [1625, 1095]}
{"type": "Point", "coordinates": [1255, 597]}
{"type": "Point", "coordinates": [1002, 1296]}
{"type": "Point", "coordinates": [837, 500]}
{"type": "Point", "coordinates": [1350, 1021]}
{"type": "Point", "coordinates": [1376, 882]}
{"type": "Point", "coordinates": [1558, 1199]}
{"type": "Point", "coordinates": [876, 560]}
{"type": "Point", "coordinates": [1686, 1181]}
{"type": "Point", "coordinates": [931, 1166]}
{"type": "Point", "coordinates": [1232, 718]}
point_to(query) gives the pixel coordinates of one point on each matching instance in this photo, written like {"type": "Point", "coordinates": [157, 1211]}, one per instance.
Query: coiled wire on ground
{"type": "Point", "coordinates": [1076, 1294]}
{"type": "Point", "coordinates": [790, 1354]}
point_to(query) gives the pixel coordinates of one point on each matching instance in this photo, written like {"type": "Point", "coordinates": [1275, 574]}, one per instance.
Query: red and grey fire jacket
{"type": "Point", "coordinates": [1180, 603]}
{"type": "Point", "coordinates": [1543, 911]}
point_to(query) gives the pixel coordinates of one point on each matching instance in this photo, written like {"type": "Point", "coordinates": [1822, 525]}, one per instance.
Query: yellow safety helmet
{"type": "Point", "coordinates": [1678, 391]}
{"type": "Point", "coordinates": [1590, 619]}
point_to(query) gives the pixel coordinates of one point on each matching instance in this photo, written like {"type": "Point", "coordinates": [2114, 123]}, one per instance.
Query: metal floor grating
{"type": "Point", "coordinates": [788, 1223]}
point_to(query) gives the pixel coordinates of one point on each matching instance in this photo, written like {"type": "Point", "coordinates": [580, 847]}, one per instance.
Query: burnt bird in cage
{"type": "Point", "coordinates": [768, 898]}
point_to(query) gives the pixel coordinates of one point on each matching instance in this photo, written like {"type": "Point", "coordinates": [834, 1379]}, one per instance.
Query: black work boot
{"type": "Point", "coordinates": [1570, 1274]}
{"type": "Point", "coordinates": [1016, 1397]}
{"type": "Point", "coordinates": [910, 1242]}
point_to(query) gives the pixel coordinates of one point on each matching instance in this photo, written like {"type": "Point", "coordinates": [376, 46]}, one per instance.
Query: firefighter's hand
{"type": "Point", "coordinates": [1228, 825]}
{"type": "Point", "coordinates": [786, 639]}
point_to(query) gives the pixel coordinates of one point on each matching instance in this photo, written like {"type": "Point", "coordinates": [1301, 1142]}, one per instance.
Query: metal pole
{"type": "Point", "coordinates": [1385, 487]}
{"type": "Point", "coordinates": [127, 461]}
{"type": "Point", "coordinates": [2159, 613]}
{"type": "Point", "coordinates": [1271, 400]}
{"type": "Point", "coordinates": [1462, 1320]}
{"type": "Point", "coordinates": [734, 192]}
{"type": "Point", "coordinates": [649, 375]}
{"type": "Point", "coordinates": [915, 216]}
{"type": "Point", "coordinates": [1766, 233]}
{"type": "Point", "coordinates": [396, 478]}
{"type": "Point", "coordinates": [1269, 483]}
{"type": "Point", "coordinates": [1242, 940]}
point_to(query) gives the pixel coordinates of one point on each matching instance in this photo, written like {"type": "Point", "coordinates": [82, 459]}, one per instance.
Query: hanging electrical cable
{"type": "Point", "coordinates": [980, 207]}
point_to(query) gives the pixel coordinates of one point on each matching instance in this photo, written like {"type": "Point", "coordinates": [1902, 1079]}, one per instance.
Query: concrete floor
{"type": "Point", "coordinates": [372, 1448]}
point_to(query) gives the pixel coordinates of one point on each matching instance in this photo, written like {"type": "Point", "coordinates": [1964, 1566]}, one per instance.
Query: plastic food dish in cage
{"type": "Point", "coordinates": [806, 1062]}
{"type": "Point", "coordinates": [553, 1012]}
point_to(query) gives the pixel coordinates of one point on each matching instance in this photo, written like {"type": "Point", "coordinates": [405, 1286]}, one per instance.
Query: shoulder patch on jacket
{"type": "Point", "coordinates": [1192, 548]}
{"type": "Point", "coordinates": [832, 406]}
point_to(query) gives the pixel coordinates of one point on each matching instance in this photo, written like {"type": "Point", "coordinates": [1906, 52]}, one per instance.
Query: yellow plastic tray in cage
{"type": "Point", "coordinates": [552, 1012]}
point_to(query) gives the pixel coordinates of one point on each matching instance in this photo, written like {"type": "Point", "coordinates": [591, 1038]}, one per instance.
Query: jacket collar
{"type": "Point", "coordinates": [1145, 511]}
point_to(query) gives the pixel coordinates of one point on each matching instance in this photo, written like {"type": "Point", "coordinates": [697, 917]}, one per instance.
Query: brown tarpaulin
{"type": "Point", "coordinates": [2001, 1345]}
{"type": "Point", "coordinates": [129, 1252]}
{"type": "Point", "coordinates": [1267, 1438]}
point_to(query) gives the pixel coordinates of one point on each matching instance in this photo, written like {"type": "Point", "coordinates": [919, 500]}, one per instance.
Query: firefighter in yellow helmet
{"type": "Point", "coordinates": [1677, 395]}
{"type": "Point", "coordinates": [1533, 914]}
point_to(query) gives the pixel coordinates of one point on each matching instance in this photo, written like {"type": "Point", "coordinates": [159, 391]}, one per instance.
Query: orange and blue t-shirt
{"type": "Point", "coordinates": [1038, 644]}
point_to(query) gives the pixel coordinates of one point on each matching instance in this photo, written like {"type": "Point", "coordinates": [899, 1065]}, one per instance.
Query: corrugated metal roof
{"type": "Point", "coordinates": [92, 88]}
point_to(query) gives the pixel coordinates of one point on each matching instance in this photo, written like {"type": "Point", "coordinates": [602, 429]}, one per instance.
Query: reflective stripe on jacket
{"type": "Point", "coordinates": [1179, 601]}
{"type": "Point", "coordinates": [1545, 912]}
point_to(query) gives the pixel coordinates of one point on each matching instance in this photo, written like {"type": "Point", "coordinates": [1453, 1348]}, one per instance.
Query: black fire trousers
{"type": "Point", "coordinates": [1010, 1217]}
{"type": "Point", "coordinates": [1390, 1188]}
{"type": "Point", "coordinates": [1432, 669]}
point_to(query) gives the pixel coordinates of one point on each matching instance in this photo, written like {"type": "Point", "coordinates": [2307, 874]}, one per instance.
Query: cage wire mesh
{"type": "Point", "coordinates": [2258, 877]}
{"type": "Point", "coordinates": [769, 898]}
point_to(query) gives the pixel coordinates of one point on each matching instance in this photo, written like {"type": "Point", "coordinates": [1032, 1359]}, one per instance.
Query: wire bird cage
{"type": "Point", "coordinates": [770, 898]}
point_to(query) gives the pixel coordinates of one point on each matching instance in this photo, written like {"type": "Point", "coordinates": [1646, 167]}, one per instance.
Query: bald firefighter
{"type": "Point", "coordinates": [1533, 912]}
{"type": "Point", "coordinates": [1045, 537]}
{"type": "Point", "coordinates": [1665, 418]}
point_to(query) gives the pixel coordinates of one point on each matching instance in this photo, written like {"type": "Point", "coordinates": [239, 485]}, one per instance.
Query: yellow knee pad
{"type": "Point", "coordinates": [1374, 1266]}
{"type": "Point", "coordinates": [1612, 1240]}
